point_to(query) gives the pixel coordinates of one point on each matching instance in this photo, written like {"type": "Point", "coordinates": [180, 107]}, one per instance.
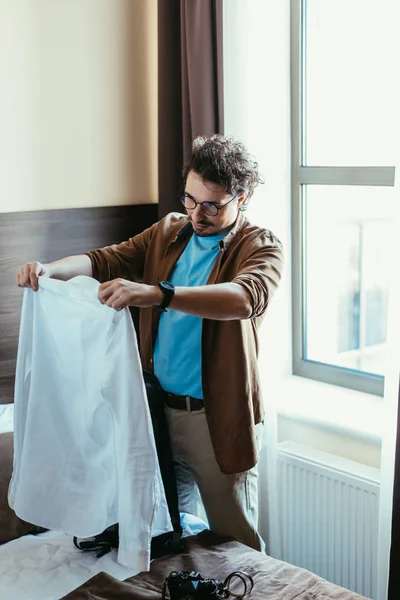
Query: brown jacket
{"type": "Point", "coordinates": [249, 256]}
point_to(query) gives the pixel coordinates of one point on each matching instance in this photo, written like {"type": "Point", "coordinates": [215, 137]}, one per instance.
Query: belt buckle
{"type": "Point", "coordinates": [188, 406]}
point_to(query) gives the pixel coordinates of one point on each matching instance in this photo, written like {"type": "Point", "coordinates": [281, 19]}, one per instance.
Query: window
{"type": "Point", "coordinates": [345, 135]}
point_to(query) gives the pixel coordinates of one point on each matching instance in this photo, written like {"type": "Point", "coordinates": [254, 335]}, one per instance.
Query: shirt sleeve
{"type": "Point", "coordinates": [125, 260]}
{"type": "Point", "coordinates": [260, 272]}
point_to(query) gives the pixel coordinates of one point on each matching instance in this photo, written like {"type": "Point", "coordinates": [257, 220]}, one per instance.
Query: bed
{"type": "Point", "coordinates": [216, 557]}
{"type": "Point", "coordinates": [45, 565]}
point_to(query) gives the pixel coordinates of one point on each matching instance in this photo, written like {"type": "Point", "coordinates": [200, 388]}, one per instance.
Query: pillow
{"type": "Point", "coordinates": [6, 417]}
{"type": "Point", "coordinates": [11, 526]}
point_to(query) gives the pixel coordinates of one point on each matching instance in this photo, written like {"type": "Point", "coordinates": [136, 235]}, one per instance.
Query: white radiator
{"type": "Point", "coordinates": [329, 516]}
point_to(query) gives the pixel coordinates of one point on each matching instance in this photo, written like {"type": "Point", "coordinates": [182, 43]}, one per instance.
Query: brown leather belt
{"type": "Point", "coordinates": [183, 402]}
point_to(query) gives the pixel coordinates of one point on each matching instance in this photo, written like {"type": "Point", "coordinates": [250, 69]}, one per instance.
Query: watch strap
{"type": "Point", "coordinates": [168, 290]}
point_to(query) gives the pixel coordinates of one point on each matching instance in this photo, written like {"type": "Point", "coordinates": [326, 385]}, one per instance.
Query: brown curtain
{"type": "Point", "coordinates": [394, 572]}
{"type": "Point", "coordinates": [190, 86]}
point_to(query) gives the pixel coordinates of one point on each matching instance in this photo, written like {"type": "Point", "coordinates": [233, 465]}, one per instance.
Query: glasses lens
{"type": "Point", "coordinates": [188, 202]}
{"type": "Point", "coordinates": [209, 209]}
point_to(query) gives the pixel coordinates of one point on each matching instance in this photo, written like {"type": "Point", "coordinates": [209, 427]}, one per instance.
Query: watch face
{"type": "Point", "coordinates": [167, 285]}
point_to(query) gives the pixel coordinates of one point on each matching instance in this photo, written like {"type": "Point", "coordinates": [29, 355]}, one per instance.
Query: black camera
{"type": "Point", "coordinates": [183, 585]}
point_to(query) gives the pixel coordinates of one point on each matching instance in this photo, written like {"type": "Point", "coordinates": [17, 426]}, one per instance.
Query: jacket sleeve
{"type": "Point", "coordinates": [260, 271]}
{"type": "Point", "coordinates": [125, 260]}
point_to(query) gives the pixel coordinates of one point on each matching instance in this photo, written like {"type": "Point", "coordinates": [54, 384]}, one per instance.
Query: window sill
{"type": "Point", "coordinates": [331, 407]}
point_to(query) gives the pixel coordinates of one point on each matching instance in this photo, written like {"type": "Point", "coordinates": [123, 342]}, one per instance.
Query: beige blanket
{"type": "Point", "coordinates": [215, 557]}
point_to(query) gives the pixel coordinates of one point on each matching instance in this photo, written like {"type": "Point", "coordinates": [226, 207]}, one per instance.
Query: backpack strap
{"type": "Point", "coordinates": [93, 544]}
{"type": "Point", "coordinates": [175, 544]}
{"type": "Point", "coordinates": [103, 543]}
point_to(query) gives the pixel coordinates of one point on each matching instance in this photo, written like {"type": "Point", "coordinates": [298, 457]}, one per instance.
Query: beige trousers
{"type": "Point", "coordinates": [230, 501]}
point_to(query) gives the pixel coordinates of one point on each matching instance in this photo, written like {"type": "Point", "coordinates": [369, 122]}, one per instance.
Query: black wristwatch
{"type": "Point", "coordinates": [168, 290]}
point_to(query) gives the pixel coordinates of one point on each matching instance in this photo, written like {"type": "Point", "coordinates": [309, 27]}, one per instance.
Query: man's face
{"type": "Point", "coordinates": [205, 191]}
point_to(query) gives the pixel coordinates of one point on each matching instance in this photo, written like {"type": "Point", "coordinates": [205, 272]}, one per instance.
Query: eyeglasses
{"type": "Point", "coordinates": [208, 208]}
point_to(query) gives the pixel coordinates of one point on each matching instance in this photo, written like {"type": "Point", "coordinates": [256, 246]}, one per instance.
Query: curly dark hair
{"type": "Point", "coordinates": [226, 162]}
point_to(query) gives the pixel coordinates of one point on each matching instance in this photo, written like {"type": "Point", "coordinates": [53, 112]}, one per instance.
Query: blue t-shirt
{"type": "Point", "coordinates": [177, 352]}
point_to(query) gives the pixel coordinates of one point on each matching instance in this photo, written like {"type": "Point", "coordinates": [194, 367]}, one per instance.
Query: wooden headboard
{"type": "Point", "coordinates": [46, 236]}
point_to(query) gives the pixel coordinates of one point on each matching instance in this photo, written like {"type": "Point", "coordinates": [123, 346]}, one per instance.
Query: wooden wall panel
{"type": "Point", "coordinates": [46, 236]}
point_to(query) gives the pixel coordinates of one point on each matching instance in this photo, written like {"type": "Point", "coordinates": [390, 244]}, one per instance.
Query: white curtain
{"type": "Point", "coordinates": [257, 112]}
{"type": "Point", "coordinates": [391, 401]}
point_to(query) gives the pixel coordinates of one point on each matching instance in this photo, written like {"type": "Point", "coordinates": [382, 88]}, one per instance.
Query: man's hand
{"type": "Point", "coordinates": [27, 275]}
{"type": "Point", "coordinates": [64, 269]}
{"type": "Point", "coordinates": [120, 293]}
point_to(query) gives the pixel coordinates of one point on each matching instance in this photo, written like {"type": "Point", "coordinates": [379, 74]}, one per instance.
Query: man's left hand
{"type": "Point", "coordinates": [120, 293]}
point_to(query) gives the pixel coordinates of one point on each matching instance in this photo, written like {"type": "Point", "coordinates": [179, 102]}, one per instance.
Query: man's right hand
{"type": "Point", "coordinates": [27, 275]}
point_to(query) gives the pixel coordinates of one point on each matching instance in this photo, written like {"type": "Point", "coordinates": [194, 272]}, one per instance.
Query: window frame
{"type": "Point", "coordinates": [302, 176]}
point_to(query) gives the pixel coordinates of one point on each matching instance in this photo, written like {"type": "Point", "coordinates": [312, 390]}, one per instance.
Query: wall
{"type": "Point", "coordinates": [78, 142]}
{"type": "Point", "coordinates": [328, 440]}
{"type": "Point", "coordinates": [78, 106]}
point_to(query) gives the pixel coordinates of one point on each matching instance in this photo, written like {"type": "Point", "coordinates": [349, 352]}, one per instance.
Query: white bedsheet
{"type": "Point", "coordinates": [48, 566]}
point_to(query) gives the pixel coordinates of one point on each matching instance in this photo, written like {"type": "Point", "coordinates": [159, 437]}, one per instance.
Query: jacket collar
{"type": "Point", "coordinates": [237, 226]}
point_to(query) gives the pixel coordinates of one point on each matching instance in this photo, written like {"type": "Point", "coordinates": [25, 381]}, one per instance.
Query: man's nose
{"type": "Point", "coordinates": [197, 210]}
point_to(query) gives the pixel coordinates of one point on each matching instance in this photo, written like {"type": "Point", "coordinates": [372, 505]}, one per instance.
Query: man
{"type": "Point", "coordinates": [203, 282]}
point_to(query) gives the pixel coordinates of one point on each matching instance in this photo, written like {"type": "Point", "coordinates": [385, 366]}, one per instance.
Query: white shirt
{"type": "Point", "coordinates": [84, 450]}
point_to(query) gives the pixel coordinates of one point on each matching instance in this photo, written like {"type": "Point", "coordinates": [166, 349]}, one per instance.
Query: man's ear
{"type": "Point", "coordinates": [242, 199]}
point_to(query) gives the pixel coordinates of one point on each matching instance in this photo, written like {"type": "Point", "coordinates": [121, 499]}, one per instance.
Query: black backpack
{"type": "Point", "coordinates": [166, 542]}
